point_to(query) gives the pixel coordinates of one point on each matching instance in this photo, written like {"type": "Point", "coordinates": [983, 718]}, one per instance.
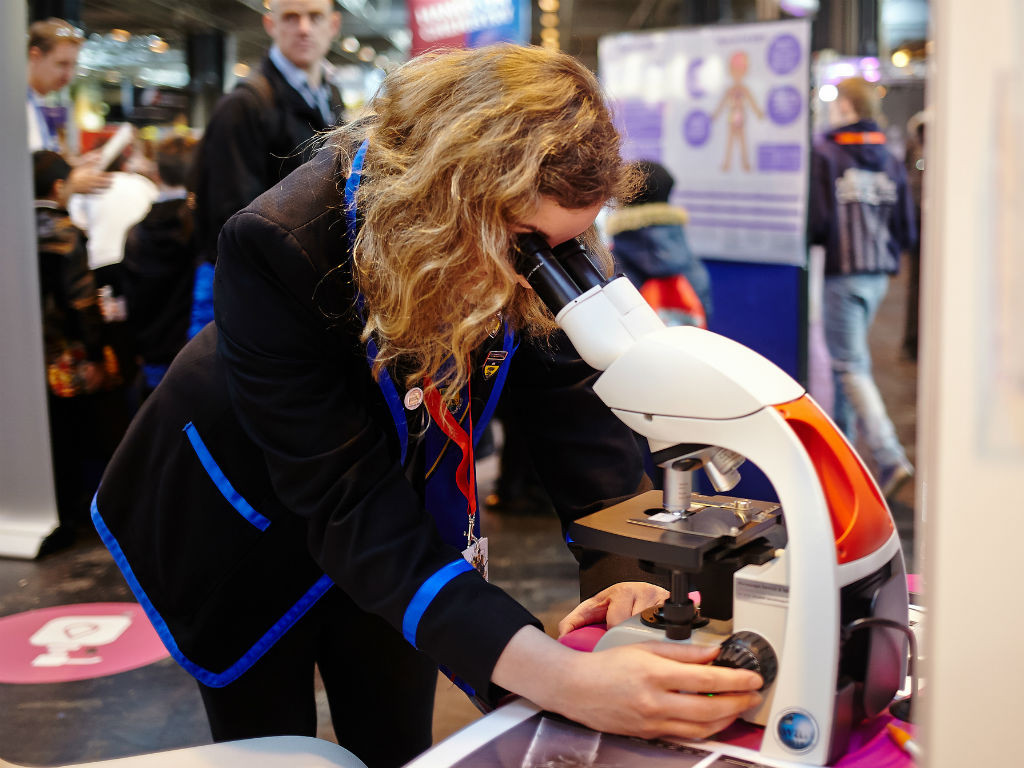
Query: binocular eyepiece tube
{"type": "Point", "coordinates": [558, 275]}
{"type": "Point", "coordinates": [602, 318]}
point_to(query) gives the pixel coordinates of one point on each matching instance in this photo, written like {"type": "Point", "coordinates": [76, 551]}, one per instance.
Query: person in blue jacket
{"type": "Point", "coordinates": [862, 212]}
{"type": "Point", "coordinates": [299, 489]}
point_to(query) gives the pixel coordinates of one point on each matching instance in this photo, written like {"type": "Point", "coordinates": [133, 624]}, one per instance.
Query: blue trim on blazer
{"type": "Point", "coordinates": [227, 490]}
{"type": "Point", "coordinates": [203, 675]}
{"type": "Point", "coordinates": [425, 595]}
{"type": "Point", "coordinates": [395, 403]}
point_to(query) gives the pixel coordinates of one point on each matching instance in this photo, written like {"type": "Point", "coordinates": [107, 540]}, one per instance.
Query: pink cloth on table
{"type": "Point", "coordinates": [915, 583]}
{"type": "Point", "coordinates": [584, 638]}
{"type": "Point", "coordinates": [870, 744]}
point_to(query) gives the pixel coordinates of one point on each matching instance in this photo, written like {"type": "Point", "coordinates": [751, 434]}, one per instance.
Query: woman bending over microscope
{"type": "Point", "coordinates": [300, 490]}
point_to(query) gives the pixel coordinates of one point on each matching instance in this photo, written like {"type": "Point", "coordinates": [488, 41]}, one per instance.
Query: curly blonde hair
{"type": "Point", "coordinates": [462, 146]}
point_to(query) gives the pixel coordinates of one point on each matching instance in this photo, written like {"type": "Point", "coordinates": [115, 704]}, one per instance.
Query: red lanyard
{"type": "Point", "coordinates": [465, 477]}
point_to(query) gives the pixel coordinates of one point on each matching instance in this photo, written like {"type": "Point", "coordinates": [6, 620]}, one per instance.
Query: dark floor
{"type": "Point", "coordinates": [157, 707]}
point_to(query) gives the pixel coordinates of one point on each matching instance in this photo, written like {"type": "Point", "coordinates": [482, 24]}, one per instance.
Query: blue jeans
{"type": "Point", "coordinates": [850, 304]}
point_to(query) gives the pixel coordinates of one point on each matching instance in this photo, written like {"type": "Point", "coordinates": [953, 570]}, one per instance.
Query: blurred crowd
{"type": "Point", "coordinates": [127, 231]}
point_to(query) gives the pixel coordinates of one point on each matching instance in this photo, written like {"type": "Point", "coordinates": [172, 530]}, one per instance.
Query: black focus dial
{"type": "Point", "coordinates": [748, 650]}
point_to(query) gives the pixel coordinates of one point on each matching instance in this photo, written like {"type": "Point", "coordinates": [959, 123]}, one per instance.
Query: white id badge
{"type": "Point", "coordinates": [476, 555]}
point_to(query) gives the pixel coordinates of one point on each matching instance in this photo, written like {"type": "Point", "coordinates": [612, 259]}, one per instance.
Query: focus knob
{"type": "Point", "coordinates": [748, 650]}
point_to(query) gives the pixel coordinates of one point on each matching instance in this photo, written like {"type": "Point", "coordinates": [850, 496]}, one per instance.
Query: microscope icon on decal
{"type": "Point", "coordinates": [73, 640]}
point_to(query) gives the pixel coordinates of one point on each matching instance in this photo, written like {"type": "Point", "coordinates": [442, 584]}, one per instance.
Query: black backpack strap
{"type": "Point", "coordinates": [258, 84]}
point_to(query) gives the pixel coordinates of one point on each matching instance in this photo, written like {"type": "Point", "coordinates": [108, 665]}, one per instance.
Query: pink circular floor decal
{"type": "Point", "coordinates": [76, 642]}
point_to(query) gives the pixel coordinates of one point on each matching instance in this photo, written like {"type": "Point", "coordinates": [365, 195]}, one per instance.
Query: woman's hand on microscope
{"type": "Point", "coordinates": [613, 605]}
{"type": "Point", "coordinates": [654, 690]}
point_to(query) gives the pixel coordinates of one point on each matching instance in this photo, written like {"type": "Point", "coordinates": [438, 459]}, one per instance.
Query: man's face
{"type": "Point", "coordinates": [52, 71]}
{"type": "Point", "coordinates": [303, 29]}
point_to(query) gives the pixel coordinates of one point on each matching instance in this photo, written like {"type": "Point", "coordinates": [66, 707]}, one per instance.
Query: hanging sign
{"type": "Point", "coordinates": [467, 23]}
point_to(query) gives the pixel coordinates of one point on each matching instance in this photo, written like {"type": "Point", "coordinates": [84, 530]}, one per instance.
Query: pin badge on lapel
{"type": "Point", "coordinates": [455, 403]}
{"type": "Point", "coordinates": [493, 330]}
{"type": "Point", "coordinates": [413, 398]}
{"type": "Point", "coordinates": [493, 362]}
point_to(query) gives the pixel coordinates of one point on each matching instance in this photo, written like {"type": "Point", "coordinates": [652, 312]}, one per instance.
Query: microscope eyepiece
{"type": "Point", "coordinates": [573, 257]}
{"type": "Point", "coordinates": [534, 260]}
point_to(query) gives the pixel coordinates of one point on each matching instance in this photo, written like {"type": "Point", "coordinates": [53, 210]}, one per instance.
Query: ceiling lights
{"type": "Point", "coordinates": [549, 35]}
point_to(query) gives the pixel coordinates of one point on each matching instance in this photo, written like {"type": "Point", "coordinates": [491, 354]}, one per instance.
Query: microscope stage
{"type": "Point", "coordinates": [640, 528]}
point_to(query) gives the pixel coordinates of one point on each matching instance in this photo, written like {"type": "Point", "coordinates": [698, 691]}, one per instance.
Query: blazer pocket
{"type": "Point", "coordinates": [220, 480]}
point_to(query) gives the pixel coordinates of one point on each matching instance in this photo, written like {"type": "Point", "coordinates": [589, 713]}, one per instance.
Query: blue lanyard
{"type": "Point", "coordinates": [386, 383]}
{"type": "Point", "coordinates": [351, 185]}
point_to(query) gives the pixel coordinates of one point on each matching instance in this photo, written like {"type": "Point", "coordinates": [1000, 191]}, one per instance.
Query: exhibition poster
{"type": "Point", "coordinates": [725, 109]}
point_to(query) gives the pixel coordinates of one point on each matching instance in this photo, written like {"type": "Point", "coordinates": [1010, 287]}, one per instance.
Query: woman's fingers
{"type": "Point", "coordinates": [696, 675]}
{"type": "Point", "coordinates": [658, 690]}
{"type": "Point", "coordinates": [688, 652]}
{"type": "Point", "coordinates": [613, 605]}
{"type": "Point", "coordinates": [692, 715]}
{"type": "Point", "coordinates": [709, 709]}
{"type": "Point", "coordinates": [588, 612]}
{"type": "Point", "coordinates": [631, 599]}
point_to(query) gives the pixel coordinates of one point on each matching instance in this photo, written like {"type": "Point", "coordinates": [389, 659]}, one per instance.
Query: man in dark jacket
{"type": "Point", "coordinates": [259, 133]}
{"type": "Point", "coordinates": [861, 211]}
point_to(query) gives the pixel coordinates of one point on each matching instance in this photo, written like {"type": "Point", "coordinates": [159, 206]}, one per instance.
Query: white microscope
{"type": "Point", "coordinates": [788, 612]}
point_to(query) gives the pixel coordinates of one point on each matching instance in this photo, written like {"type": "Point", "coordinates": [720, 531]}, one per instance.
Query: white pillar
{"type": "Point", "coordinates": [27, 503]}
{"type": "Point", "coordinates": [971, 409]}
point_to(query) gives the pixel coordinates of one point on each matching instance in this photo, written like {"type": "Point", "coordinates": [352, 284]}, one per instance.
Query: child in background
{"type": "Point", "coordinates": [649, 244]}
{"type": "Point", "coordinates": [159, 264]}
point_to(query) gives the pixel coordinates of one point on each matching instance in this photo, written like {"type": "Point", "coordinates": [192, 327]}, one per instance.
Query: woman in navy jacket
{"type": "Point", "coordinates": [299, 489]}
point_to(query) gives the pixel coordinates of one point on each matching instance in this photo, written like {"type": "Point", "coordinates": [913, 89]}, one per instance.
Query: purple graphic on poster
{"type": "Point", "coordinates": [693, 78]}
{"type": "Point", "coordinates": [784, 104]}
{"type": "Point", "coordinates": [779, 157]}
{"type": "Point", "coordinates": [640, 121]}
{"type": "Point", "coordinates": [784, 54]}
{"type": "Point", "coordinates": [697, 128]}
{"type": "Point", "coordinates": [640, 125]}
